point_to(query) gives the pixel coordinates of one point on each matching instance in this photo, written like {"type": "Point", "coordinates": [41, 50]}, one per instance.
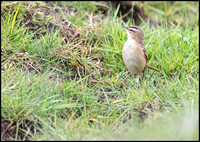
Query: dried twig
{"type": "Point", "coordinates": [127, 12]}
{"type": "Point", "coordinates": [10, 3]}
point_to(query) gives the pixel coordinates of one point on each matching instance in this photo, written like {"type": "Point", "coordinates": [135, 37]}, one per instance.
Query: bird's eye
{"type": "Point", "coordinates": [131, 30]}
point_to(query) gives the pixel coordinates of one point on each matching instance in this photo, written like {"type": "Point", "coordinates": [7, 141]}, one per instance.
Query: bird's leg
{"type": "Point", "coordinates": [137, 80]}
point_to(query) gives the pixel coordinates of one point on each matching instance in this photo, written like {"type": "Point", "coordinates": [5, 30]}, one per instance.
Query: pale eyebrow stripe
{"type": "Point", "coordinates": [134, 29]}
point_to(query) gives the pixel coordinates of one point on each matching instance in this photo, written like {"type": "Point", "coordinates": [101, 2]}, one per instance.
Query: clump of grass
{"type": "Point", "coordinates": [173, 12]}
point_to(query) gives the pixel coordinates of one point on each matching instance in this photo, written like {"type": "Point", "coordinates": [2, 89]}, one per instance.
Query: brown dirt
{"type": "Point", "coordinates": [9, 129]}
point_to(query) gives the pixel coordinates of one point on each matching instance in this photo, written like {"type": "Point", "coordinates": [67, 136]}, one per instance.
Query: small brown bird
{"type": "Point", "coordinates": [134, 53]}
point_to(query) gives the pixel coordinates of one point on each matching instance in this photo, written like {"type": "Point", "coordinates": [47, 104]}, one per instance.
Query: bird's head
{"type": "Point", "coordinates": [135, 33]}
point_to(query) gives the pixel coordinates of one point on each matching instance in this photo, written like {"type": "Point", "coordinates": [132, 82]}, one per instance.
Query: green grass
{"type": "Point", "coordinates": [73, 97]}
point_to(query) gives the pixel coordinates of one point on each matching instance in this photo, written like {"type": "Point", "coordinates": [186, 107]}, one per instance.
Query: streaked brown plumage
{"type": "Point", "coordinates": [134, 53]}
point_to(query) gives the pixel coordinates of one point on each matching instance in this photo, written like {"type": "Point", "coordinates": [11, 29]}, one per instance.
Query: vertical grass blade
{"type": "Point", "coordinates": [13, 22]}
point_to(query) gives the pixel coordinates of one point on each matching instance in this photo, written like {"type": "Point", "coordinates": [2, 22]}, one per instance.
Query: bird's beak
{"type": "Point", "coordinates": [125, 27]}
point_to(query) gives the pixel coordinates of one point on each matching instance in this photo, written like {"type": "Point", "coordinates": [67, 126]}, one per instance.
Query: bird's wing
{"type": "Point", "coordinates": [145, 53]}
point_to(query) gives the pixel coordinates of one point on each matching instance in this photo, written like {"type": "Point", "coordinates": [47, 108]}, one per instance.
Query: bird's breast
{"type": "Point", "coordinates": [133, 57]}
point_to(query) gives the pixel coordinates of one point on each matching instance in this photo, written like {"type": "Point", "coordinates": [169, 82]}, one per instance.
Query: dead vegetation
{"type": "Point", "coordinates": [40, 18]}
{"type": "Point", "coordinates": [9, 129]}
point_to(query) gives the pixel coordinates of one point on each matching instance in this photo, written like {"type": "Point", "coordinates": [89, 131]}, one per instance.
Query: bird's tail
{"type": "Point", "coordinates": [150, 67]}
